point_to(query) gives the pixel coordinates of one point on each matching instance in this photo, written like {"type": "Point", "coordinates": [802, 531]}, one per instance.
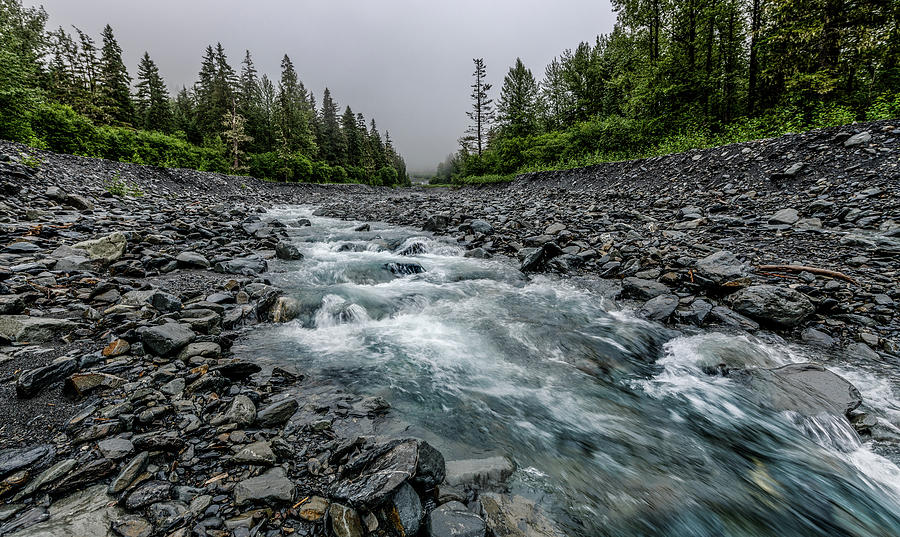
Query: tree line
{"type": "Point", "coordinates": [677, 74]}
{"type": "Point", "coordinates": [67, 92]}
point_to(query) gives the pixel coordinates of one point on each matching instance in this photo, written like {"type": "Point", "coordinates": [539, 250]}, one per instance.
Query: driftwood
{"type": "Point", "coordinates": [811, 270]}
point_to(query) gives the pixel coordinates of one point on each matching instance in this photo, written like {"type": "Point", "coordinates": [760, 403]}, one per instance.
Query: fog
{"type": "Point", "coordinates": [407, 63]}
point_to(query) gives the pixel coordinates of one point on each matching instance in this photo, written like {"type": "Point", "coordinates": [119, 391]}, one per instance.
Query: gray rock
{"type": "Point", "coordinates": [787, 217]}
{"type": "Point", "coordinates": [277, 414]}
{"type": "Point", "coordinates": [108, 249]}
{"type": "Point", "coordinates": [167, 339]}
{"type": "Point", "coordinates": [22, 328]}
{"type": "Point", "coordinates": [769, 304]}
{"type": "Point", "coordinates": [269, 487]}
{"type": "Point", "coordinates": [173, 387]}
{"type": "Point", "coordinates": [436, 223]}
{"type": "Point", "coordinates": [287, 251]}
{"type": "Point", "coordinates": [87, 512]}
{"type": "Point", "coordinates": [12, 460]}
{"type": "Point", "coordinates": [192, 260]}
{"type": "Point", "coordinates": [73, 263]}
{"type": "Point", "coordinates": [659, 308]}
{"type": "Point", "coordinates": [115, 448]}
{"type": "Point", "coordinates": [515, 516]}
{"type": "Point", "coordinates": [345, 521]}
{"type": "Point", "coordinates": [448, 521]}
{"type": "Point", "coordinates": [242, 411]}
{"type": "Point", "coordinates": [720, 267]}
{"type": "Point", "coordinates": [481, 226]}
{"type": "Point", "coordinates": [809, 389]}
{"type": "Point", "coordinates": [31, 382]}
{"type": "Point", "coordinates": [377, 473]}
{"type": "Point", "coordinates": [129, 473]}
{"type": "Point", "coordinates": [643, 289]}
{"type": "Point", "coordinates": [731, 318]}
{"type": "Point", "coordinates": [79, 202]}
{"type": "Point", "coordinates": [479, 472]}
{"type": "Point", "coordinates": [431, 467]}
{"type": "Point", "coordinates": [147, 493]}
{"type": "Point", "coordinates": [246, 266]}
{"type": "Point", "coordinates": [132, 526]}
{"type": "Point", "coordinates": [258, 453]}
{"type": "Point", "coordinates": [46, 477]}
{"type": "Point", "coordinates": [858, 139]}
{"type": "Point", "coordinates": [407, 507]}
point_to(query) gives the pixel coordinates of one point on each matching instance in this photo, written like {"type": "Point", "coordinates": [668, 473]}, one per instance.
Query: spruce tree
{"type": "Point", "coordinates": [115, 87]}
{"type": "Point", "coordinates": [293, 114]}
{"type": "Point", "coordinates": [354, 155]}
{"type": "Point", "coordinates": [517, 108]}
{"type": "Point", "coordinates": [332, 144]}
{"type": "Point", "coordinates": [482, 113]}
{"type": "Point", "coordinates": [152, 99]}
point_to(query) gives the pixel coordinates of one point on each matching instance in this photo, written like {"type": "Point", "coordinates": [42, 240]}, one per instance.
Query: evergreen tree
{"type": "Point", "coordinates": [366, 159]}
{"type": "Point", "coordinates": [517, 108]}
{"type": "Point", "coordinates": [350, 130]}
{"type": "Point", "coordinates": [152, 99]}
{"type": "Point", "coordinates": [557, 101]}
{"type": "Point", "coordinates": [376, 147]}
{"type": "Point", "coordinates": [293, 114]}
{"type": "Point", "coordinates": [235, 136]}
{"type": "Point", "coordinates": [249, 102]}
{"type": "Point", "coordinates": [482, 113]}
{"type": "Point", "coordinates": [184, 116]}
{"type": "Point", "coordinates": [332, 144]}
{"type": "Point", "coordinates": [268, 110]}
{"type": "Point", "coordinates": [115, 88]}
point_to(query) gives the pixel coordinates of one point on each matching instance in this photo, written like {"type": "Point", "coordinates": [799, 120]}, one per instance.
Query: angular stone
{"type": "Point", "coordinates": [787, 217]}
{"type": "Point", "coordinates": [314, 509]}
{"type": "Point", "coordinates": [129, 473]}
{"type": "Point", "coordinates": [46, 477]}
{"type": "Point", "coordinates": [31, 382]}
{"type": "Point", "coordinates": [770, 304]}
{"type": "Point", "coordinates": [167, 339]}
{"type": "Point", "coordinates": [447, 521]}
{"type": "Point", "coordinates": [89, 512]}
{"type": "Point", "coordinates": [643, 289]}
{"type": "Point", "coordinates": [115, 448]}
{"type": "Point", "coordinates": [287, 251]}
{"type": "Point", "coordinates": [132, 526]}
{"type": "Point", "coordinates": [258, 453]}
{"type": "Point", "coordinates": [377, 473]}
{"type": "Point", "coordinates": [118, 347]}
{"type": "Point", "coordinates": [25, 329]}
{"type": "Point", "coordinates": [515, 516]}
{"type": "Point", "coordinates": [808, 389]}
{"type": "Point", "coordinates": [147, 493]}
{"type": "Point", "coordinates": [84, 475]}
{"type": "Point", "coordinates": [404, 510]}
{"type": "Point", "coordinates": [12, 460]}
{"type": "Point", "coordinates": [430, 468]}
{"type": "Point", "coordinates": [108, 249]}
{"type": "Point", "coordinates": [247, 266]}
{"type": "Point", "coordinates": [479, 472]}
{"type": "Point", "coordinates": [277, 414]}
{"type": "Point", "coordinates": [270, 487]}
{"type": "Point", "coordinates": [345, 521]}
{"type": "Point", "coordinates": [80, 384]}
{"type": "Point", "coordinates": [192, 260]}
{"type": "Point", "coordinates": [659, 308]}
{"type": "Point", "coordinates": [720, 268]}
{"type": "Point", "coordinates": [436, 223]}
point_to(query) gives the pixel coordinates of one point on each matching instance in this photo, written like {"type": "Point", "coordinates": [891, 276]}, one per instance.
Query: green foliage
{"type": "Point", "coordinates": [117, 186]}
{"type": "Point", "coordinates": [32, 161]}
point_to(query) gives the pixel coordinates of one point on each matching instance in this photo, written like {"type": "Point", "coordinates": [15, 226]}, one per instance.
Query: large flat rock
{"type": "Point", "coordinates": [22, 328]}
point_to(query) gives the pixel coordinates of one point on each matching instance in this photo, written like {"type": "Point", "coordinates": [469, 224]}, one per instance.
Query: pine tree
{"type": "Point", "coordinates": [517, 109]}
{"type": "Point", "coordinates": [115, 88]}
{"type": "Point", "coordinates": [293, 114]}
{"type": "Point", "coordinates": [558, 104]}
{"type": "Point", "coordinates": [184, 116]}
{"type": "Point", "coordinates": [366, 159]}
{"type": "Point", "coordinates": [332, 144]}
{"type": "Point", "coordinates": [350, 130]}
{"type": "Point", "coordinates": [248, 98]}
{"type": "Point", "coordinates": [268, 110]}
{"type": "Point", "coordinates": [482, 113]}
{"type": "Point", "coordinates": [376, 147]}
{"type": "Point", "coordinates": [152, 99]}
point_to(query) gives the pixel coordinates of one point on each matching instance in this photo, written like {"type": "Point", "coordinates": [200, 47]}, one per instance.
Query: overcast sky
{"type": "Point", "coordinates": [408, 63]}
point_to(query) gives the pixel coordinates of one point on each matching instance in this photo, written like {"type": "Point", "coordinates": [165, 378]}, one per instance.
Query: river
{"type": "Point", "coordinates": [613, 425]}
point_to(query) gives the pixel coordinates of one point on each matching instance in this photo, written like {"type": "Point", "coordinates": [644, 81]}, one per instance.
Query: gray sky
{"type": "Point", "coordinates": [408, 63]}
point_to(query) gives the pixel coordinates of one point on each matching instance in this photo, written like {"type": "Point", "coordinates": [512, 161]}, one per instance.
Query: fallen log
{"type": "Point", "coordinates": [811, 270]}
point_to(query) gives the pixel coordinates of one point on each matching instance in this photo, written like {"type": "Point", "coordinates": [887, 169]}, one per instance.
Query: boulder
{"type": "Point", "coordinates": [808, 389]}
{"type": "Point", "coordinates": [277, 414]}
{"type": "Point", "coordinates": [345, 521]}
{"type": "Point", "coordinates": [375, 474]}
{"type": "Point", "coordinates": [659, 308]}
{"type": "Point", "coordinates": [31, 382]}
{"type": "Point", "coordinates": [436, 223]}
{"type": "Point", "coordinates": [404, 510]}
{"type": "Point", "coordinates": [643, 289]}
{"type": "Point", "coordinates": [515, 516]}
{"type": "Point", "coordinates": [769, 304]}
{"type": "Point", "coordinates": [720, 268]}
{"type": "Point", "coordinates": [87, 512]}
{"type": "Point", "coordinates": [479, 472]}
{"type": "Point", "coordinates": [287, 251]}
{"type": "Point", "coordinates": [192, 260]}
{"type": "Point", "coordinates": [270, 487]}
{"type": "Point", "coordinates": [108, 249]}
{"type": "Point", "coordinates": [787, 217]}
{"type": "Point", "coordinates": [22, 328]}
{"type": "Point", "coordinates": [451, 520]}
{"type": "Point", "coordinates": [167, 339]}
{"type": "Point", "coordinates": [245, 266]}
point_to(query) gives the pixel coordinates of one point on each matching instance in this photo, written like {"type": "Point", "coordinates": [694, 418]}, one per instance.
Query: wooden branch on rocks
{"type": "Point", "coordinates": [811, 270]}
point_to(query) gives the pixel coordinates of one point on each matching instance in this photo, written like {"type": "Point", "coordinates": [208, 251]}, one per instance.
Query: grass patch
{"type": "Point", "coordinates": [117, 186]}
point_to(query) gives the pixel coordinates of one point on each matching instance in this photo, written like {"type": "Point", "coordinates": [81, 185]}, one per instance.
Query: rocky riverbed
{"type": "Point", "coordinates": [123, 289]}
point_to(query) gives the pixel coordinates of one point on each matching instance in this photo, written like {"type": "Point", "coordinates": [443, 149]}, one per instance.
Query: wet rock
{"type": "Point", "coordinates": [258, 453]}
{"type": "Point", "coordinates": [514, 516]}
{"type": "Point", "coordinates": [147, 493]}
{"type": "Point", "coordinates": [720, 268]}
{"type": "Point", "coordinates": [192, 260]}
{"type": "Point", "coordinates": [284, 310]}
{"type": "Point", "coordinates": [436, 223]}
{"type": "Point", "coordinates": [129, 473]}
{"type": "Point", "coordinates": [108, 249]}
{"type": "Point", "coordinates": [809, 389]}
{"type": "Point", "coordinates": [731, 318]}
{"type": "Point", "coordinates": [167, 339]}
{"type": "Point", "coordinates": [535, 259]}
{"type": "Point", "coordinates": [246, 266]}
{"type": "Point", "coordinates": [83, 475]}
{"type": "Point", "coordinates": [404, 510]}
{"type": "Point", "coordinates": [345, 521]}
{"type": "Point", "coordinates": [31, 382]}
{"type": "Point", "coordinates": [769, 304]}
{"type": "Point", "coordinates": [25, 329]}
{"type": "Point", "coordinates": [118, 347]}
{"type": "Point", "coordinates": [314, 510]}
{"type": "Point", "coordinates": [158, 442]}
{"type": "Point", "coordinates": [373, 476]}
{"type": "Point", "coordinates": [659, 308]}
{"type": "Point", "coordinates": [431, 467]}
{"type": "Point", "coordinates": [115, 448]}
{"type": "Point", "coordinates": [858, 139]}
{"type": "Point", "coordinates": [787, 217]}
{"type": "Point", "coordinates": [643, 289]}
{"type": "Point", "coordinates": [277, 414]}
{"type": "Point", "coordinates": [479, 472]}
{"type": "Point", "coordinates": [237, 370]}
{"type": "Point", "coordinates": [80, 384]}
{"type": "Point", "coordinates": [271, 487]}
{"type": "Point", "coordinates": [403, 269]}
{"type": "Point", "coordinates": [287, 251]}
{"type": "Point", "coordinates": [452, 521]}
{"type": "Point", "coordinates": [47, 477]}
{"type": "Point", "coordinates": [89, 512]}
{"type": "Point", "coordinates": [12, 460]}
{"type": "Point", "coordinates": [132, 526]}
{"type": "Point", "coordinates": [241, 412]}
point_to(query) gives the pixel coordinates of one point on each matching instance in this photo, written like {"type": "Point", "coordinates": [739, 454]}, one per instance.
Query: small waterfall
{"type": "Point", "coordinates": [336, 311]}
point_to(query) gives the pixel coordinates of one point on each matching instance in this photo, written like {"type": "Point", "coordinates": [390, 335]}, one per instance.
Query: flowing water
{"type": "Point", "coordinates": [611, 421]}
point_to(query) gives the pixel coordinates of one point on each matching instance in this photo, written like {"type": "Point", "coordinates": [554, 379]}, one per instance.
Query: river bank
{"type": "Point", "coordinates": [119, 384]}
